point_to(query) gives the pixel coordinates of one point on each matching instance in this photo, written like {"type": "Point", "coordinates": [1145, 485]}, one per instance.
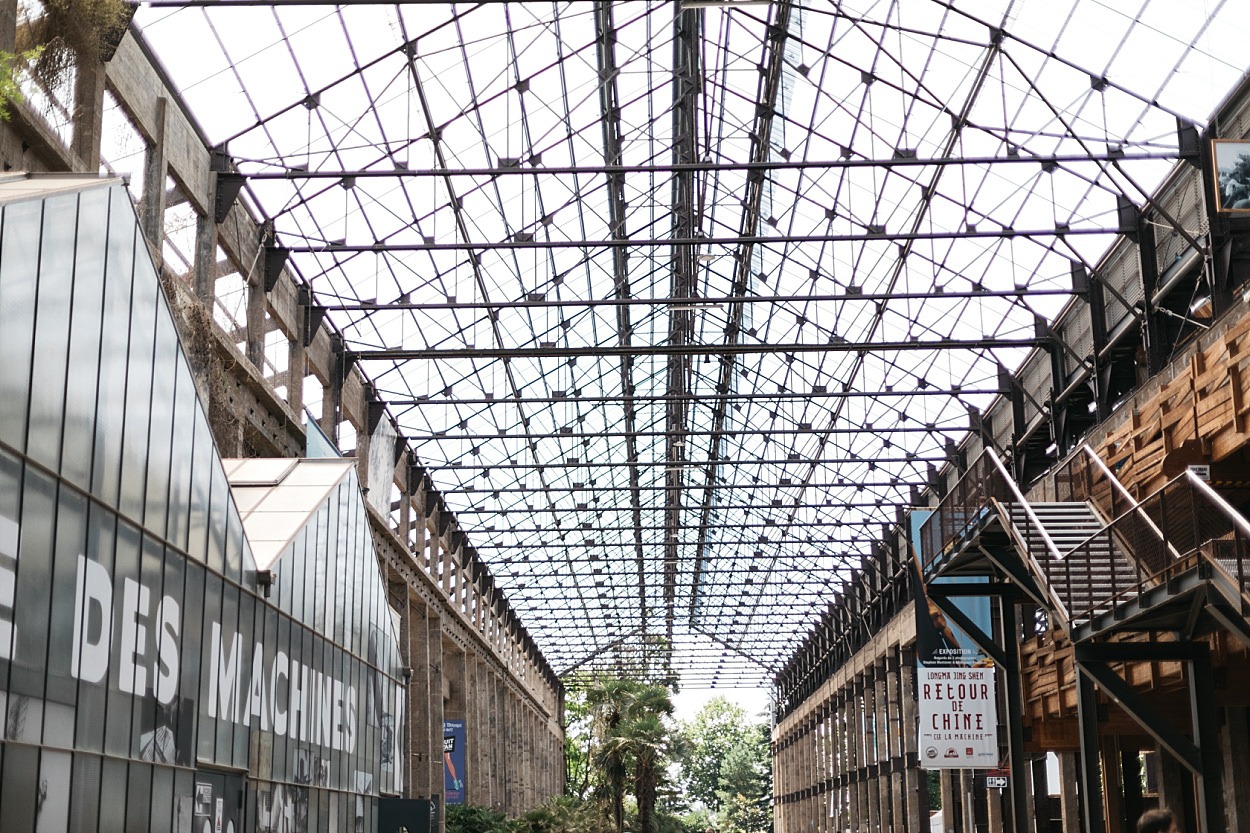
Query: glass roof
{"type": "Point", "coordinates": [679, 301]}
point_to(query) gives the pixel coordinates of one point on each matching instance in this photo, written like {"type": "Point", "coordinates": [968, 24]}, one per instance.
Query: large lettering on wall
{"type": "Point", "coordinates": [126, 636]}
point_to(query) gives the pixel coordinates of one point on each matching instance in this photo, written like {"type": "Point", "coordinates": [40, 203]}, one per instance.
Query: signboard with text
{"type": "Point", "coordinates": [955, 682]}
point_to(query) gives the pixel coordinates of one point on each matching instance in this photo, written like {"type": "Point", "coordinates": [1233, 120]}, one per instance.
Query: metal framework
{"type": "Point", "coordinates": [679, 302]}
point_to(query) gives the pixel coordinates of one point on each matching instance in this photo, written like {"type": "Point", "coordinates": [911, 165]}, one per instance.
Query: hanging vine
{"type": "Point", "coordinates": [71, 33]}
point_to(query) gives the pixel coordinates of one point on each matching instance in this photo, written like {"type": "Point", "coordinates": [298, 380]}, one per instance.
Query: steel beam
{"type": "Point", "coordinates": [657, 350]}
{"type": "Point", "coordinates": [701, 242]}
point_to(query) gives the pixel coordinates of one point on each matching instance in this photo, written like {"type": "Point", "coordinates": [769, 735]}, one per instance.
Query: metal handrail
{"type": "Point", "coordinates": [1134, 504]}
{"type": "Point", "coordinates": [1110, 475]}
{"type": "Point", "coordinates": [1216, 498]}
{"type": "Point", "coordinates": [1034, 521]}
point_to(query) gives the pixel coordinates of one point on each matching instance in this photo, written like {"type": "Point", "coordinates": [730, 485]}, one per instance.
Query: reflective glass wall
{"type": "Point", "coordinates": [144, 682]}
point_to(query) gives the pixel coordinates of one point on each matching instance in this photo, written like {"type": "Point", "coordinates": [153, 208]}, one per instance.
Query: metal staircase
{"type": "Point", "coordinates": [1091, 569]}
{"type": "Point", "coordinates": [1098, 559]}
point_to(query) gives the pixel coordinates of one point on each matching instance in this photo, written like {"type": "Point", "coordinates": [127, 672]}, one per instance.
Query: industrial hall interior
{"type": "Point", "coordinates": [404, 405]}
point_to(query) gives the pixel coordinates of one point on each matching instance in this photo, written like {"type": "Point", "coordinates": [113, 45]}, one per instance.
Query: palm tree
{"type": "Point", "coordinates": [647, 740]}
{"type": "Point", "coordinates": [608, 701]}
{"type": "Point", "coordinates": [631, 729]}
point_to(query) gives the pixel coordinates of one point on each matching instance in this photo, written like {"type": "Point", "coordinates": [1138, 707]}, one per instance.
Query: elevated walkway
{"type": "Point", "coordinates": [1109, 571]}
{"type": "Point", "coordinates": [1096, 559]}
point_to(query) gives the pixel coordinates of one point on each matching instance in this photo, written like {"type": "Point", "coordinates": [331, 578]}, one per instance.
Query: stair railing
{"type": "Point", "coordinates": [984, 487]}
{"type": "Point", "coordinates": [1126, 556]}
{"type": "Point", "coordinates": [1183, 525]}
{"type": "Point", "coordinates": [1230, 551]}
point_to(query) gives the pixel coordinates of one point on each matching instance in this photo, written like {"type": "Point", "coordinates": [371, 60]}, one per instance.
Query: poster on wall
{"type": "Point", "coordinates": [453, 761]}
{"type": "Point", "coordinates": [1232, 175]}
{"type": "Point", "coordinates": [955, 680]}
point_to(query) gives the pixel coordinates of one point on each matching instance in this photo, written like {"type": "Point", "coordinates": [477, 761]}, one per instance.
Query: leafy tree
{"type": "Point", "coordinates": [727, 767]}
{"type": "Point", "coordinates": [740, 814]}
{"type": "Point", "coordinates": [717, 728]}
{"type": "Point", "coordinates": [578, 742]}
{"type": "Point", "coordinates": [745, 768]}
{"type": "Point", "coordinates": [11, 66]}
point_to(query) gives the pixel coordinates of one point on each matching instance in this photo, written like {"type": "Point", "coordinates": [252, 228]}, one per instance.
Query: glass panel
{"type": "Point", "coordinates": [56, 281]}
{"type": "Point", "coordinates": [118, 723]}
{"type": "Point", "coordinates": [19, 265]}
{"type": "Point", "coordinates": [85, 794]}
{"type": "Point", "coordinates": [160, 430]}
{"type": "Point", "coordinates": [138, 798]}
{"type": "Point", "coordinates": [113, 786]}
{"type": "Point", "coordinates": [201, 481]}
{"type": "Point", "coordinates": [114, 348]}
{"type": "Point", "coordinates": [10, 505]}
{"type": "Point", "coordinates": [206, 745]}
{"type": "Point", "coordinates": [153, 738]}
{"type": "Point", "coordinates": [19, 788]}
{"type": "Point", "coordinates": [194, 615]}
{"type": "Point", "coordinates": [184, 801]}
{"type": "Point", "coordinates": [234, 544]}
{"type": "Point", "coordinates": [246, 607]}
{"type": "Point", "coordinates": [217, 517]}
{"type": "Point", "coordinates": [34, 581]}
{"type": "Point", "coordinates": [71, 538]}
{"type": "Point", "coordinates": [181, 455]}
{"type": "Point", "coordinates": [176, 705]}
{"type": "Point", "coordinates": [84, 337]}
{"type": "Point", "coordinates": [138, 387]}
{"type": "Point", "coordinates": [92, 691]}
{"type": "Point", "coordinates": [52, 811]}
{"type": "Point", "coordinates": [162, 800]}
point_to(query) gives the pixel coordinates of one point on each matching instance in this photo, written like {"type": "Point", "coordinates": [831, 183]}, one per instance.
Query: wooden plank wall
{"type": "Point", "coordinates": [1197, 410]}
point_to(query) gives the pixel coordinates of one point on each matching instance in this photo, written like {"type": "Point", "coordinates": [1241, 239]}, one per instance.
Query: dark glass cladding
{"type": "Point", "coordinates": [144, 683]}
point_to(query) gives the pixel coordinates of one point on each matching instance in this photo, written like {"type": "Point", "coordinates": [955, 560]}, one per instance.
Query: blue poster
{"type": "Point", "coordinates": [453, 761]}
{"type": "Point", "coordinates": [938, 642]}
{"type": "Point", "coordinates": [955, 680]}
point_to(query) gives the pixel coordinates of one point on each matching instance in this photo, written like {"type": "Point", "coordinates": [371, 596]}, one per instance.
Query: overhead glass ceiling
{"type": "Point", "coordinates": [679, 301]}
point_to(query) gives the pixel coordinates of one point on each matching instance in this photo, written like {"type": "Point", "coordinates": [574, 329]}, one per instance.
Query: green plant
{"type": "Point", "coordinates": [10, 88]}
{"type": "Point", "coordinates": [469, 818]}
{"type": "Point", "coordinates": [564, 814]}
{"type": "Point", "coordinates": [69, 33]}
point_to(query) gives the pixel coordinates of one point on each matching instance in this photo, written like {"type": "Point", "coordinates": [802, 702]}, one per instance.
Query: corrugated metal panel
{"type": "Point", "coordinates": [1077, 332]}
{"type": "Point", "coordinates": [1122, 273]}
{"type": "Point", "coordinates": [1184, 202]}
{"type": "Point", "coordinates": [1035, 378]}
{"type": "Point", "coordinates": [1000, 420]}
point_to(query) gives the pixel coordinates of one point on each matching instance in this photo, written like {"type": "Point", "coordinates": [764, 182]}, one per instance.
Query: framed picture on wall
{"type": "Point", "coordinates": [1232, 174]}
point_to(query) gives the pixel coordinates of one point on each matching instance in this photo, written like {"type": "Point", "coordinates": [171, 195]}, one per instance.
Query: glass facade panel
{"type": "Point", "coordinates": [84, 338]}
{"type": "Point", "coordinates": [160, 431]}
{"type": "Point", "coordinates": [84, 808]}
{"type": "Point", "coordinates": [55, 770]}
{"type": "Point", "coordinates": [19, 788]}
{"type": "Point", "coordinates": [114, 344]}
{"type": "Point", "coordinates": [137, 656]}
{"type": "Point", "coordinates": [51, 356]}
{"type": "Point", "coordinates": [139, 374]}
{"type": "Point", "coordinates": [19, 252]}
